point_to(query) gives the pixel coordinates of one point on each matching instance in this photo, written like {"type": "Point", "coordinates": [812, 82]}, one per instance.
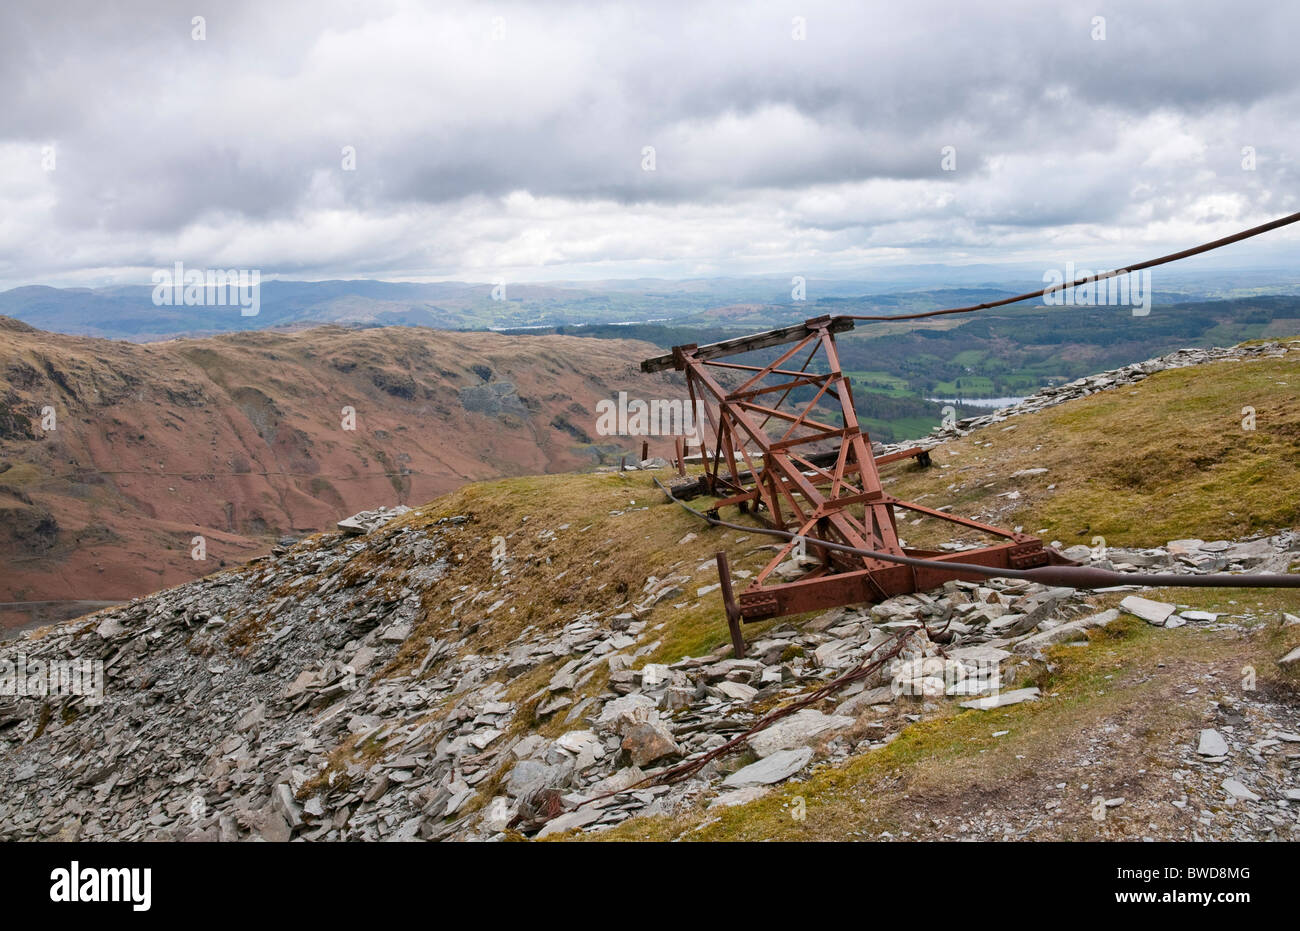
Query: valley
{"type": "Point", "coordinates": [116, 457]}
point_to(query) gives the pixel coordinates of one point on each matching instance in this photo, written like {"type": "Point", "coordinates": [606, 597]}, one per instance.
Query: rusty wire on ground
{"type": "Point", "coordinates": [871, 664]}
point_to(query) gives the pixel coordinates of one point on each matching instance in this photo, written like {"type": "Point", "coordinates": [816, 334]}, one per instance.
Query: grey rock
{"type": "Point", "coordinates": [1153, 612]}
{"type": "Point", "coordinates": [797, 730]}
{"type": "Point", "coordinates": [1002, 699]}
{"type": "Point", "coordinates": [1239, 791]}
{"type": "Point", "coordinates": [647, 743]}
{"type": "Point", "coordinates": [1212, 743]}
{"type": "Point", "coordinates": [771, 769]}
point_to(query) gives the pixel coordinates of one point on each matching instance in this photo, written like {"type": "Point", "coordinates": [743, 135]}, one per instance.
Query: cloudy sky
{"type": "Point", "coordinates": [510, 140]}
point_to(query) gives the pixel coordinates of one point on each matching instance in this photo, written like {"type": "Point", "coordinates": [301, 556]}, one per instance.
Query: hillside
{"type": "Point", "coordinates": [242, 439]}
{"type": "Point", "coordinates": [504, 661]}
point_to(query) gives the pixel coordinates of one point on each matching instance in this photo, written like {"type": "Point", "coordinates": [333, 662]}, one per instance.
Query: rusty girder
{"type": "Point", "coordinates": [764, 460]}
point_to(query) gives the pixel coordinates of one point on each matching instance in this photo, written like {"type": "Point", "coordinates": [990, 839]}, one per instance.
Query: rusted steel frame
{"type": "Point", "coordinates": [781, 483]}
{"type": "Point", "coordinates": [812, 353]}
{"type": "Point", "coordinates": [742, 498]}
{"type": "Point", "coordinates": [825, 477]}
{"type": "Point", "coordinates": [728, 446]}
{"type": "Point", "coordinates": [775, 457]}
{"type": "Point", "coordinates": [786, 385]}
{"type": "Point", "coordinates": [788, 372]}
{"type": "Point", "coordinates": [882, 518]}
{"type": "Point", "coordinates": [782, 479]}
{"type": "Point", "coordinates": [771, 503]}
{"type": "Point", "coordinates": [731, 347]}
{"type": "Point", "coordinates": [862, 497]}
{"type": "Point", "coordinates": [691, 366]}
{"type": "Point", "coordinates": [852, 467]}
{"type": "Point", "coordinates": [767, 369]}
{"type": "Point", "coordinates": [724, 428]}
{"type": "Point", "coordinates": [841, 467]}
{"type": "Point", "coordinates": [758, 368]}
{"type": "Point", "coordinates": [841, 520]}
{"type": "Point", "coordinates": [768, 372]}
{"type": "Point", "coordinates": [783, 552]}
{"type": "Point", "coordinates": [795, 420]}
{"type": "Point", "coordinates": [776, 514]}
{"type": "Point", "coordinates": [870, 475]}
{"type": "Point", "coordinates": [805, 417]}
{"type": "Point", "coordinates": [729, 605]}
{"type": "Point", "coordinates": [915, 452]}
{"type": "Point", "coordinates": [820, 393]}
{"type": "Point", "coordinates": [731, 437]}
{"type": "Point", "coordinates": [711, 475]}
{"type": "Point", "coordinates": [964, 521]}
{"type": "Point", "coordinates": [808, 466]}
{"type": "Point", "coordinates": [805, 440]}
{"type": "Point", "coordinates": [863, 585]}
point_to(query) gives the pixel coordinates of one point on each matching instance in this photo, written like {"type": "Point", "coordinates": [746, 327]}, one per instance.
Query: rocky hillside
{"type": "Point", "coordinates": [537, 657]}
{"type": "Point", "coordinates": [242, 439]}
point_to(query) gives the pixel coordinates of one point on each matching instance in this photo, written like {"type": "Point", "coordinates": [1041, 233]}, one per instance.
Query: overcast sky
{"type": "Point", "coordinates": [507, 140]}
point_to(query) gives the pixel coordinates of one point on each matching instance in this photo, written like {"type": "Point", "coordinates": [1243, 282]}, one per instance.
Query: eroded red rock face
{"type": "Point", "coordinates": [242, 439]}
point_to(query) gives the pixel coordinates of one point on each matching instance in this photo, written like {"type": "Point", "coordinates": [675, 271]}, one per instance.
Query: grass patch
{"type": "Point", "coordinates": [1164, 459]}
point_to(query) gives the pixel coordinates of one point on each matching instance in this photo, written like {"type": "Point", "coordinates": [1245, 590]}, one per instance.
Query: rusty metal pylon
{"type": "Point", "coordinates": [763, 460]}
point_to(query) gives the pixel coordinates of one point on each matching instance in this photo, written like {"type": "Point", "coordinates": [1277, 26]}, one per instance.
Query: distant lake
{"type": "Point", "coordinates": [991, 403]}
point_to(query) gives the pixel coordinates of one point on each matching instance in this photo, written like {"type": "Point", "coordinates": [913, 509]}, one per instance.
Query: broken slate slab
{"type": "Point", "coordinates": [1212, 743]}
{"type": "Point", "coordinates": [1153, 612]}
{"type": "Point", "coordinates": [770, 770]}
{"type": "Point", "coordinates": [798, 729]}
{"type": "Point", "coordinates": [1002, 699]}
{"type": "Point", "coordinates": [1239, 791]}
{"type": "Point", "coordinates": [737, 690]}
{"type": "Point", "coordinates": [579, 818]}
{"type": "Point", "coordinates": [364, 522]}
{"type": "Point", "coordinates": [1070, 630]}
{"type": "Point", "coordinates": [739, 797]}
{"type": "Point", "coordinates": [882, 695]}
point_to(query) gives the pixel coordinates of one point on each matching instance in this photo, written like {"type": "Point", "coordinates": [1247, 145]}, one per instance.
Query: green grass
{"type": "Point", "coordinates": [1164, 459]}
{"type": "Point", "coordinates": [884, 383]}
{"type": "Point", "coordinates": [971, 386]}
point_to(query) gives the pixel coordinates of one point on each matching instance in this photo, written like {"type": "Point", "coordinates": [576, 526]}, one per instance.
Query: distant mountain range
{"type": "Point", "coordinates": [130, 311]}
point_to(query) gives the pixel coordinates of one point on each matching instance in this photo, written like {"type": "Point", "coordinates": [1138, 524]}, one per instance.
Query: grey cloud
{"type": "Point", "coordinates": [158, 134]}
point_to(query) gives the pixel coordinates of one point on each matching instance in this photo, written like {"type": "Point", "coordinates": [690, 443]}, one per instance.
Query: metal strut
{"type": "Point", "coordinates": [788, 449]}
